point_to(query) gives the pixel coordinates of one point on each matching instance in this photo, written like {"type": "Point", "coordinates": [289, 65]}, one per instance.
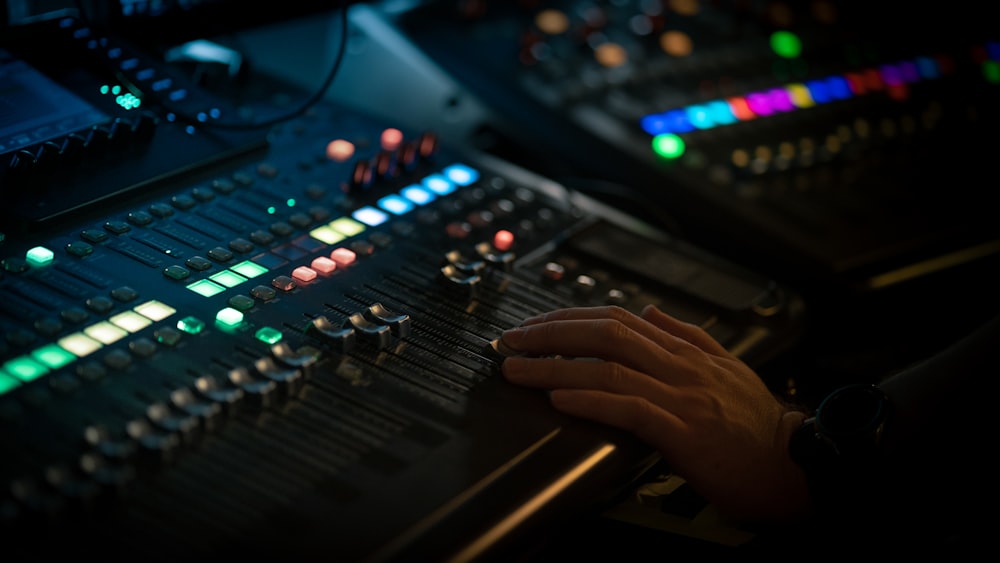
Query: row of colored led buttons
{"type": "Point", "coordinates": [53, 356]}
{"type": "Point", "coordinates": [665, 127]}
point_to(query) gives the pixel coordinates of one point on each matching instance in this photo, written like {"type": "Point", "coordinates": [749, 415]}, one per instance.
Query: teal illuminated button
{"type": "Point", "coordinates": [206, 288]}
{"type": "Point", "coordinates": [52, 356]}
{"type": "Point", "coordinates": [191, 325]}
{"type": "Point", "coordinates": [229, 317]}
{"type": "Point", "coordinates": [7, 382]}
{"type": "Point", "coordinates": [40, 256]}
{"type": "Point", "coordinates": [25, 369]}
{"type": "Point", "coordinates": [268, 335]}
{"type": "Point", "coordinates": [228, 278]}
{"type": "Point", "coordinates": [347, 226]}
{"type": "Point", "coordinates": [249, 269]}
{"type": "Point", "coordinates": [154, 310]}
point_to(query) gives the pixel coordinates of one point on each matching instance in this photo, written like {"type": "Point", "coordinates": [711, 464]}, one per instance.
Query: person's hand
{"type": "Point", "coordinates": [710, 416]}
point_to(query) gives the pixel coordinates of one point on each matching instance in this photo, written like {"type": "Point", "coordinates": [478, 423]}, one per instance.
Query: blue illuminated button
{"type": "Point", "coordinates": [395, 204]}
{"type": "Point", "coordinates": [417, 195]}
{"type": "Point", "coordinates": [438, 184]}
{"type": "Point", "coordinates": [370, 216]}
{"type": "Point", "coordinates": [461, 174]}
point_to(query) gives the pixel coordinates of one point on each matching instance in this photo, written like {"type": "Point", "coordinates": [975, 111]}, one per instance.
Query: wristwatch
{"type": "Point", "coordinates": [839, 447]}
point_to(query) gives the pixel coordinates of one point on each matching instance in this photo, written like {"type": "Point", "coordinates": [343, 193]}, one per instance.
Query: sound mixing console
{"type": "Point", "coordinates": [281, 342]}
{"type": "Point", "coordinates": [843, 145]}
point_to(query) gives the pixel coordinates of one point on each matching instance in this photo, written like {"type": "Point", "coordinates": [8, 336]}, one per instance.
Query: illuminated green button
{"type": "Point", "coordinates": [227, 278]}
{"type": "Point", "coordinates": [154, 310]}
{"type": "Point", "coordinates": [229, 317]}
{"type": "Point", "coordinates": [130, 321]}
{"type": "Point", "coordinates": [80, 344]}
{"type": "Point", "coordinates": [7, 382]}
{"type": "Point", "coordinates": [191, 325]}
{"type": "Point", "coordinates": [347, 226]}
{"type": "Point", "coordinates": [249, 269]}
{"type": "Point", "coordinates": [206, 288]}
{"type": "Point", "coordinates": [326, 234]}
{"type": "Point", "coordinates": [52, 356]}
{"type": "Point", "coordinates": [40, 256]}
{"type": "Point", "coordinates": [269, 335]}
{"type": "Point", "coordinates": [25, 369]}
{"type": "Point", "coordinates": [105, 332]}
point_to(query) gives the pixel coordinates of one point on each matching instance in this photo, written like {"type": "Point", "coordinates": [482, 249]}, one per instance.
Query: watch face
{"type": "Point", "coordinates": [854, 413]}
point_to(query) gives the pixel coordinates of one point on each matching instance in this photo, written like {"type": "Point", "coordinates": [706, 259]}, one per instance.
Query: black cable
{"type": "Point", "coordinates": [304, 107]}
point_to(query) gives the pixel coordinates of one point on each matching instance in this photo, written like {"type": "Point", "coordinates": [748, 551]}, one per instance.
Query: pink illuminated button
{"type": "Point", "coordinates": [503, 240]}
{"type": "Point", "coordinates": [323, 265]}
{"type": "Point", "coordinates": [339, 150]}
{"type": "Point", "coordinates": [304, 273]}
{"type": "Point", "coordinates": [391, 139]}
{"type": "Point", "coordinates": [343, 256]}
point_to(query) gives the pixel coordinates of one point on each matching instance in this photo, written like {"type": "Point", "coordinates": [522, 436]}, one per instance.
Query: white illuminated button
{"type": "Point", "coordinates": [130, 321]}
{"type": "Point", "coordinates": [40, 256]}
{"type": "Point", "coordinates": [323, 265]}
{"type": "Point", "coordinates": [370, 216]}
{"type": "Point", "coordinates": [79, 344]}
{"type": "Point", "coordinates": [304, 273]}
{"type": "Point", "coordinates": [155, 310]}
{"type": "Point", "coordinates": [343, 256]}
{"type": "Point", "coordinates": [417, 195]}
{"type": "Point", "coordinates": [105, 332]}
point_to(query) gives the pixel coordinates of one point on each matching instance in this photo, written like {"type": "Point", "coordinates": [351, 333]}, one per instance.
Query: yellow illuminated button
{"type": "Point", "coordinates": [105, 332]}
{"type": "Point", "coordinates": [80, 344]}
{"type": "Point", "coordinates": [327, 234]}
{"type": "Point", "coordinates": [154, 310]}
{"type": "Point", "coordinates": [130, 321]}
{"type": "Point", "coordinates": [347, 226]}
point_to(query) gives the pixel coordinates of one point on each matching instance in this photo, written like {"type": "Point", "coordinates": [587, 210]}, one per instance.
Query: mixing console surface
{"type": "Point", "coordinates": [288, 350]}
{"type": "Point", "coordinates": [811, 140]}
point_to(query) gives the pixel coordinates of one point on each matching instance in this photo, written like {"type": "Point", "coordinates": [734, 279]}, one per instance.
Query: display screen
{"type": "Point", "coordinates": [34, 108]}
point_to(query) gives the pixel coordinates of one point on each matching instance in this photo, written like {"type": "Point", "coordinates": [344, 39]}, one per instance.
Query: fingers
{"type": "Point", "coordinates": [610, 377]}
{"type": "Point", "coordinates": [656, 426]}
{"type": "Point", "coordinates": [687, 331]}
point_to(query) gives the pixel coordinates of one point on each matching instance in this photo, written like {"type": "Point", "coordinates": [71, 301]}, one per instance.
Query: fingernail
{"type": "Point", "coordinates": [532, 320]}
